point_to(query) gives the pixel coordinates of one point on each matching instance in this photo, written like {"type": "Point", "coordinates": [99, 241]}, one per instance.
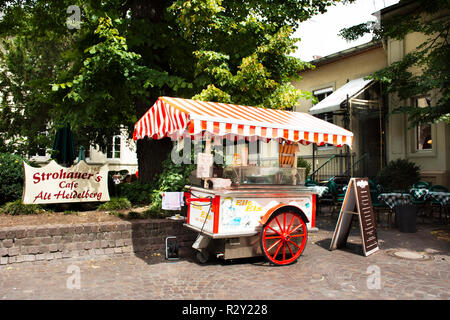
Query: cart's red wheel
{"type": "Point", "coordinates": [284, 237]}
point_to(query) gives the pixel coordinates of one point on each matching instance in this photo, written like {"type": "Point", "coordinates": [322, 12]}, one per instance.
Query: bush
{"type": "Point", "coordinates": [398, 175]}
{"type": "Point", "coordinates": [17, 208]}
{"type": "Point", "coordinates": [302, 163]}
{"type": "Point", "coordinates": [11, 177]}
{"type": "Point", "coordinates": [172, 178]}
{"type": "Point", "coordinates": [138, 193]}
{"type": "Point", "coordinates": [115, 204]}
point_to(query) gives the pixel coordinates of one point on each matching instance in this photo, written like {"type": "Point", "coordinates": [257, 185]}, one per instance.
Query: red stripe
{"type": "Point", "coordinates": [325, 137]}
{"type": "Point", "coordinates": [216, 128]}
{"type": "Point", "coordinates": [252, 130]}
{"type": "Point", "coordinates": [203, 125]}
{"type": "Point", "coordinates": [316, 137]}
{"type": "Point", "coordinates": [334, 139]}
{"type": "Point", "coordinates": [286, 134]}
{"type": "Point", "coordinates": [296, 134]}
{"type": "Point", "coordinates": [240, 129]}
{"type": "Point", "coordinates": [313, 211]}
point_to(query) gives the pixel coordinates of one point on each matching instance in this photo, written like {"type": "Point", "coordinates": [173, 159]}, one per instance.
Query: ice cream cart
{"type": "Point", "coordinates": [251, 209]}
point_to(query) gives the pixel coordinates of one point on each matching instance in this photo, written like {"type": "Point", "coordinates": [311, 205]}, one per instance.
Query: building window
{"type": "Point", "coordinates": [423, 139]}
{"type": "Point", "coordinates": [41, 150]}
{"type": "Point", "coordinates": [322, 93]}
{"type": "Point", "coordinates": [113, 148]}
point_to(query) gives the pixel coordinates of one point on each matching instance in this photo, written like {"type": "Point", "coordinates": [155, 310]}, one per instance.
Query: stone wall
{"type": "Point", "coordinates": [49, 242]}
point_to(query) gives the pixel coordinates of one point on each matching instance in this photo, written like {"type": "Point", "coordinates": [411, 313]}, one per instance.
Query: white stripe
{"type": "Point", "coordinates": [258, 131]}
{"type": "Point", "coordinates": [339, 139]}
{"type": "Point", "coordinates": [210, 126]}
{"type": "Point", "coordinates": [222, 128]}
{"type": "Point", "coordinates": [234, 128]}
{"type": "Point", "coordinates": [320, 137]}
{"type": "Point", "coordinates": [291, 135]}
{"type": "Point", "coordinates": [246, 130]}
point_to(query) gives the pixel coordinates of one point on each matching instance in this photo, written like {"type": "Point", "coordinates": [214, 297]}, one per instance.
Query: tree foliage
{"type": "Point", "coordinates": [431, 57]}
{"type": "Point", "coordinates": [126, 53]}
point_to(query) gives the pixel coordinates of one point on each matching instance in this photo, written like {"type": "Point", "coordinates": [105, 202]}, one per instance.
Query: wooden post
{"type": "Point", "coordinates": [207, 151]}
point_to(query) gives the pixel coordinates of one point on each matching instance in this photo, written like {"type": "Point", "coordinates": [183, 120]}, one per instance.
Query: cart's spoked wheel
{"type": "Point", "coordinates": [283, 238]}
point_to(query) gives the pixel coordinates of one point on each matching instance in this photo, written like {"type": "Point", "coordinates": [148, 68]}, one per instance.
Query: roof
{"type": "Point", "coordinates": [334, 100]}
{"type": "Point", "coordinates": [176, 117]}
{"type": "Point", "coordinates": [347, 53]}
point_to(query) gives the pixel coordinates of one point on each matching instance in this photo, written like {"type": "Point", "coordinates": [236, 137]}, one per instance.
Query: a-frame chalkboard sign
{"type": "Point", "coordinates": [356, 202]}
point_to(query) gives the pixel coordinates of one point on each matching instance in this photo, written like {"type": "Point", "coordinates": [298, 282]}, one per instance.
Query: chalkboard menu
{"type": "Point", "coordinates": [356, 202]}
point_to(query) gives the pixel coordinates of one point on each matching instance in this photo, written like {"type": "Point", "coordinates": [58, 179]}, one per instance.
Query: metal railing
{"type": "Point", "coordinates": [336, 165]}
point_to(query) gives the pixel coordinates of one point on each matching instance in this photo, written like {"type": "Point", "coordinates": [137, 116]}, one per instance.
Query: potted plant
{"type": "Point", "coordinates": [399, 176]}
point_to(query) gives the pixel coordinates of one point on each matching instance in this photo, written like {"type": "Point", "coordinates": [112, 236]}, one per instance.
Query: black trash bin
{"type": "Point", "coordinates": [405, 218]}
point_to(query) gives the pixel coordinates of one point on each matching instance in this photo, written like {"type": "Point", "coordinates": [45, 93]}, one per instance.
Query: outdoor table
{"type": "Point", "coordinates": [419, 193]}
{"type": "Point", "coordinates": [442, 197]}
{"type": "Point", "coordinates": [321, 190]}
{"type": "Point", "coordinates": [394, 199]}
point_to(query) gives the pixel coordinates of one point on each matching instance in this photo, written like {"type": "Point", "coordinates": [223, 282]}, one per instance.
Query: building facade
{"type": "Point", "coordinates": [379, 136]}
{"type": "Point", "coordinates": [120, 154]}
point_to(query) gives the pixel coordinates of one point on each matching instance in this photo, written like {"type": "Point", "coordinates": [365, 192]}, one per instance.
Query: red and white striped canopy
{"type": "Point", "coordinates": [176, 117]}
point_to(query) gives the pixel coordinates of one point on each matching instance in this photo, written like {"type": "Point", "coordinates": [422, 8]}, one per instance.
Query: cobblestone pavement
{"type": "Point", "coordinates": [318, 274]}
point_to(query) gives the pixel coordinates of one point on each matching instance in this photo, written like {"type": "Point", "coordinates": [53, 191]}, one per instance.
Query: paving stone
{"type": "Point", "coordinates": [318, 274]}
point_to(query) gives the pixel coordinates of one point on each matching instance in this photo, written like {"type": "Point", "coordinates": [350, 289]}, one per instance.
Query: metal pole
{"type": "Point", "coordinates": [351, 129]}
{"type": "Point", "coordinates": [347, 126]}
{"type": "Point", "coordinates": [313, 160]}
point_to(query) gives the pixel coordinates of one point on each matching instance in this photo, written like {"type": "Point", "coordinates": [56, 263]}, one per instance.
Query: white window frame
{"type": "Point", "coordinates": [113, 146]}
{"type": "Point", "coordinates": [417, 128]}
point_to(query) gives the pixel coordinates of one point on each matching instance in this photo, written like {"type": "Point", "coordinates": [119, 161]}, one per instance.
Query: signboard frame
{"type": "Point", "coordinates": [53, 183]}
{"type": "Point", "coordinates": [356, 197]}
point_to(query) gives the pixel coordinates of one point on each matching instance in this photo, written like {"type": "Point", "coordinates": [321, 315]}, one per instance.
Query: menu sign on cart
{"type": "Point", "coordinates": [356, 202]}
{"type": "Point", "coordinates": [204, 165]}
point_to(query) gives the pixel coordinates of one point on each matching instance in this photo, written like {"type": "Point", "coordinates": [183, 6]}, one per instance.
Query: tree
{"type": "Point", "coordinates": [432, 57]}
{"type": "Point", "coordinates": [128, 53]}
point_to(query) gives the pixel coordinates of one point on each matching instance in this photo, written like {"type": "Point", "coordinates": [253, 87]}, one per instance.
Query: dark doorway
{"type": "Point", "coordinates": [371, 143]}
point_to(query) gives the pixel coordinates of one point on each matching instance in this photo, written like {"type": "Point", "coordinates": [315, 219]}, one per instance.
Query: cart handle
{"type": "Point", "coordinates": [189, 200]}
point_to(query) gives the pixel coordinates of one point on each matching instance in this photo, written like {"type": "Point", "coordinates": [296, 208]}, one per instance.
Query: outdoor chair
{"type": "Point", "coordinates": [379, 207]}
{"type": "Point", "coordinates": [326, 199]}
{"type": "Point", "coordinates": [436, 204]}
{"type": "Point", "coordinates": [420, 202]}
{"type": "Point", "coordinates": [337, 194]}
{"type": "Point", "coordinates": [421, 184]}
{"type": "Point", "coordinates": [310, 183]}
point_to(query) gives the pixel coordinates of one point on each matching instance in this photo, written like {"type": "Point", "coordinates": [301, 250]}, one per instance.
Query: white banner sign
{"type": "Point", "coordinates": [56, 184]}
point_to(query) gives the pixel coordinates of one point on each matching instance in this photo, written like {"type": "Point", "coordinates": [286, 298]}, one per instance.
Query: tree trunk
{"type": "Point", "coordinates": [150, 153]}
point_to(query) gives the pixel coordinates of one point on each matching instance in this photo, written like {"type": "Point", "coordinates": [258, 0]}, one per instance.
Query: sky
{"type": "Point", "coordinates": [319, 35]}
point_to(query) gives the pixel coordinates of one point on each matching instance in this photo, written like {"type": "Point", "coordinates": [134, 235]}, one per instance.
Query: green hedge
{"type": "Point", "coordinates": [115, 204]}
{"type": "Point", "coordinates": [16, 208]}
{"type": "Point", "coordinates": [398, 175]}
{"type": "Point", "coordinates": [11, 177]}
